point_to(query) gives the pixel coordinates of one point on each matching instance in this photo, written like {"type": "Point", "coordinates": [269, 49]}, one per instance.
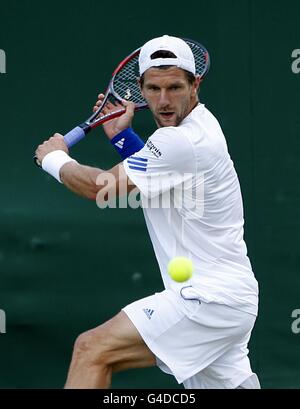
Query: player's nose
{"type": "Point", "coordinates": [163, 99]}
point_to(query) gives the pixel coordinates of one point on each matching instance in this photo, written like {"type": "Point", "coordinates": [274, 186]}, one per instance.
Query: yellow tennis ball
{"type": "Point", "coordinates": [180, 269]}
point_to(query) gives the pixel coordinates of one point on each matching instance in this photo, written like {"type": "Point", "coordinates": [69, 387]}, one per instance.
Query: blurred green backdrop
{"type": "Point", "coordinates": [60, 273]}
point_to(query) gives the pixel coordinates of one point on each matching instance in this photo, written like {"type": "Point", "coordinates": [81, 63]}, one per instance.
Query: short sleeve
{"type": "Point", "coordinates": [166, 161]}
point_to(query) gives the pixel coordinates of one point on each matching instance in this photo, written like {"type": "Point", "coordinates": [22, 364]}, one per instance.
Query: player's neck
{"type": "Point", "coordinates": [194, 104]}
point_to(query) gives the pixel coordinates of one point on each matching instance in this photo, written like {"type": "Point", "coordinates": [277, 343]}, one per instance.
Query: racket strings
{"type": "Point", "coordinates": [126, 82]}
{"type": "Point", "coordinates": [201, 57]}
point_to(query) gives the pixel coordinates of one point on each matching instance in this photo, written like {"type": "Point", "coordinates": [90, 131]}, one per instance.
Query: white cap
{"type": "Point", "coordinates": [184, 55]}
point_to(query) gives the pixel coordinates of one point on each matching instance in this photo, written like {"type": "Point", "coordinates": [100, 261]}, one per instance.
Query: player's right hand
{"type": "Point", "coordinates": [117, 125]}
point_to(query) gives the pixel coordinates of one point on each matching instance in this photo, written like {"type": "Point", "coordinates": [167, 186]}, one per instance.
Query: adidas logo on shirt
{"type": "Point", "coordinates": [148, 312]}
{"type": "Point", "coordinates": [120, 143]}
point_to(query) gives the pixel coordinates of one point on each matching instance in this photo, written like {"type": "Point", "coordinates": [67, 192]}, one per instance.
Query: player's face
{"type": "Point", "coordinates": [169, 95]}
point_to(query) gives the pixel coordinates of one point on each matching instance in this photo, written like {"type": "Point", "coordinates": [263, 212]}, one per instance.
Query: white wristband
{"type": "Point", "coordinates": [53, 162]}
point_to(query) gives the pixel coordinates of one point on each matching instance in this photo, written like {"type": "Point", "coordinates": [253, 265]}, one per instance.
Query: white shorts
{"type": "Point", "coordinates": [203, 345]}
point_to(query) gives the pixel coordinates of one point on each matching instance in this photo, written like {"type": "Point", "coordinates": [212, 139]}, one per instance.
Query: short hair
{"type": "Point", "coordinates": [168, 54]}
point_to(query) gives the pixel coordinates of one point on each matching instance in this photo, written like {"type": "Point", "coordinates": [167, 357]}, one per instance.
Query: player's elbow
{"type": "Point", "coordinates": [92, 190]}
{"type": "Point", "coordinates": [105, 193]}
{"type": "Point", "coordinates": [110, 185]}
{"type": "Point", "coordinates": [91, 195]}
{"type": "Point", "coordinates": [93, 186]}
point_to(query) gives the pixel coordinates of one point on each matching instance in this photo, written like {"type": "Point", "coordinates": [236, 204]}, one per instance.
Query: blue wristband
{"type": "Point", "coordinates": [127, 143]}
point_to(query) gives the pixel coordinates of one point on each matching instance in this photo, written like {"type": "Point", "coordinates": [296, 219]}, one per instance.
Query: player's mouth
{"type": "Point", "coordinates": [167, 115]}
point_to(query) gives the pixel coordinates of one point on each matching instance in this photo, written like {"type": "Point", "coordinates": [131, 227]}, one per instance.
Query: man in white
{"type": "Point", "coordinates": [197, 330]}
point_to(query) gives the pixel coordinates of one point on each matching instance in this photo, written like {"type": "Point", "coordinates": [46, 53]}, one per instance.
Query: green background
{"type": "Point", "coordinates": [67, 266]}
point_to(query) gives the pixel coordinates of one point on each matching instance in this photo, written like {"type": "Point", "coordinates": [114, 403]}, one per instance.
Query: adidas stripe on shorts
{"type": "Point", "coordinates": [204, 345]}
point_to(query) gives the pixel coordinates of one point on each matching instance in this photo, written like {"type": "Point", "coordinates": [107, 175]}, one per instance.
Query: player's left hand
{"type": "Point", "coordinates": [117, 125]}
{"type": "Point", "coordinates": [56, 142]}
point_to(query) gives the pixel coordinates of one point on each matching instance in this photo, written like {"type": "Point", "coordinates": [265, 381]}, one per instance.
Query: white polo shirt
{"type": "Point", "coordinates": [193, 207]}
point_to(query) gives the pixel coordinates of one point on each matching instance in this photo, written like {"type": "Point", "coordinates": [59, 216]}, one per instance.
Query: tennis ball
{"type": "Point", "coordinates": [180, 269]}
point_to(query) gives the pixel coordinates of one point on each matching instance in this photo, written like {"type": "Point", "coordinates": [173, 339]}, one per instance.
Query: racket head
{"type": "Point", "coordinates": [123, 86]}
{"type": "Point", "coordinates": [124, 83]}
{"type": "Point", "coordinates": [201, 55]}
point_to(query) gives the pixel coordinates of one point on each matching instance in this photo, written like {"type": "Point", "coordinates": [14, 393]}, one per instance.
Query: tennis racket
{"type": "Point", "coordinates": [124, 85]}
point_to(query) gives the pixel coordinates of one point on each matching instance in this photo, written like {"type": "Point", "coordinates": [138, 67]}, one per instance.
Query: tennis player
{"type": "Point", "coordinates": [199, 330]}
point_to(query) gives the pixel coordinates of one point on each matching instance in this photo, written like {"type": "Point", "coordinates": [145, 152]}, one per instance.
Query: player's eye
{"type": "Point", "coordinates": [175, 87]}
{"type": "Point", "coordinates": [153, 88]}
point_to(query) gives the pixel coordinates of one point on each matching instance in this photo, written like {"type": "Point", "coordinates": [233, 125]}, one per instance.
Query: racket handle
{"type": "Point", "coordinates": [71, 138]}
{"type": "Point", "coordinates": [76, 134]}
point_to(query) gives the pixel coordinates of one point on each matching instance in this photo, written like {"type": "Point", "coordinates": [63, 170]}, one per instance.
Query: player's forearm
{"type": "Point", "coordinates": [80, 179]}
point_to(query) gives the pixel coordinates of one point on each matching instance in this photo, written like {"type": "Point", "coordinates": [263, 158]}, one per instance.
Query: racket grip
{"type": "Point", "coordinates": [71, 138]}
{"type": "Point", "coordinates": [75, 135]}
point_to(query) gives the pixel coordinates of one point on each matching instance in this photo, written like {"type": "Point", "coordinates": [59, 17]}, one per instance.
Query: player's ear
{"type": "Point", "coordinates": [140, 84]}
{"type": "Point", "coordinates": [197, 83]}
